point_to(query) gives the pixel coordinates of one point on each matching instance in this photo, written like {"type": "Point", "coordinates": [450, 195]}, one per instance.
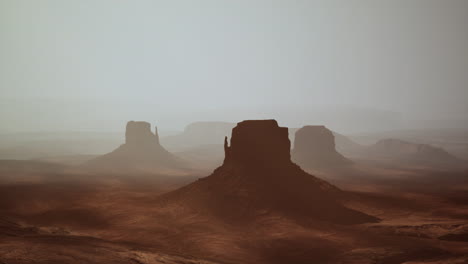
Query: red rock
{"type": "Point", "coordinates": [258, 177]}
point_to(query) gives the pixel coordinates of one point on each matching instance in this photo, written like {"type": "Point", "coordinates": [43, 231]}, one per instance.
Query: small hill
{"type": "Point", "coordinates": [400, 150]}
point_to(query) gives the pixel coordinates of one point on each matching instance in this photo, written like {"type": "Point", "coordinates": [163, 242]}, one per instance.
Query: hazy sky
{"type": "Point", "coordinates": [94, 64]}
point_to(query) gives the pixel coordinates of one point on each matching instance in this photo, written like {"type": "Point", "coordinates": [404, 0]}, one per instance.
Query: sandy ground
{"type": "Point", "coordinates": [50, 214]}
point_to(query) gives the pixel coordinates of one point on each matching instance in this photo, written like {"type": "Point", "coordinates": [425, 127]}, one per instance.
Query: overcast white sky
{"type": "Point", "coordinates": [94, 64]}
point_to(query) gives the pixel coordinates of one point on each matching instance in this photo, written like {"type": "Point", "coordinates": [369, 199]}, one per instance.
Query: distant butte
{"type": "Point", "coordinates": [403, 151]}
{"type": "Point", "coordinates": [314, 148]}
{"type": "Point", "coordinates": [141, 152]}
{"type": "Point", "coordinates": [258, 177]}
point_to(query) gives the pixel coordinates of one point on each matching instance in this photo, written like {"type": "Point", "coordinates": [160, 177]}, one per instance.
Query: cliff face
{"type": "Point", "coordinates": [258, 177]}
{"type": "Point", "coordinates": [255, 143]}
{"type": "Point", "coordinates": [140, 141]}
{"type": "Point", "coordinates": [314, 147]}
{"type": "Point", "coordinates": [141, 152]}
{"type": "Point", "coordinates": [139, 134]}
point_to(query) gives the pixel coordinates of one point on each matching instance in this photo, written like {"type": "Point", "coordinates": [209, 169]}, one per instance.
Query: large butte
{"type": "Point", "coordinates": [258, 178]}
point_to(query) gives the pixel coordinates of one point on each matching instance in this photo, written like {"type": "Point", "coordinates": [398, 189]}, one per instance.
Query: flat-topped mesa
{"type": "Point", "coordinates": [314, 147]}
{"type": "Point", "coordinates": [258, 143]}
{"type": "Point", "coordinates": [314, 137]}
{"type": "Point", "coordinates": [141, 153]}
{"type": "Point", "coordinates": [258, 179]}
{"type": "Point", "coordinates": [139, 133]}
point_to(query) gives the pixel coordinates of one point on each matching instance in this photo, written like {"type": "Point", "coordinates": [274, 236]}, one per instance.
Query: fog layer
{"type": "Point", "coordinates": [351, 65]}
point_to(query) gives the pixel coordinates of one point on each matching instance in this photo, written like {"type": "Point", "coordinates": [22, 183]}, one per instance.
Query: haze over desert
{"type": "Point", "coordinates": [233, 132]}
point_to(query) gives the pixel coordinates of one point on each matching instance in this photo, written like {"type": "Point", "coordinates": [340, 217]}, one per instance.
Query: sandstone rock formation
{"type": "Point", "coordinates": [258, 178]}
{"type": "Point", "coordinates": [141, 152]}
{"type": "Point", "coordinates": [314, 148]}
{"type": "Point", "coordinates": [258, 143]}
{"type": "Point", "coordinates": [139, 134]}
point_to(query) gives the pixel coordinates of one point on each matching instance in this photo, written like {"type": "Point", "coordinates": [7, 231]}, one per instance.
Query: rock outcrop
{"type": "Point", "coordinates": [139, 134]}
{"type": "Point", "coordinates": [256, 143]}
{"type": "Point", "coordinates": [314, 148]}
{"type": "Point", "coordinates": [141, 152]}
{"type": "Point", "coordinates": [258, 178]}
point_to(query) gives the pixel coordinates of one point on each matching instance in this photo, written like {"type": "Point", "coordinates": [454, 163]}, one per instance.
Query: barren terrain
{"type": "Point", "coordinates": [54, 214]}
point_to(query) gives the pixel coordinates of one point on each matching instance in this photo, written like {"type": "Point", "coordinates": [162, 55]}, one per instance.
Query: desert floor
{"type": "Point", "coordinates": [54, 214]}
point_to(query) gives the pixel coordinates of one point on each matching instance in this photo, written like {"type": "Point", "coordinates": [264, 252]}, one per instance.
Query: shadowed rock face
{"type": "Point", "coordinates": [140, 153]}
{"type": "Point", "coordinates": [139, 133]}
{"type": "Point", "coordinates": [257, 143]}
{"type": "Point", "coordinates": [314, 147]}
{"type": "Point", "coordinates": [258, 177]}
